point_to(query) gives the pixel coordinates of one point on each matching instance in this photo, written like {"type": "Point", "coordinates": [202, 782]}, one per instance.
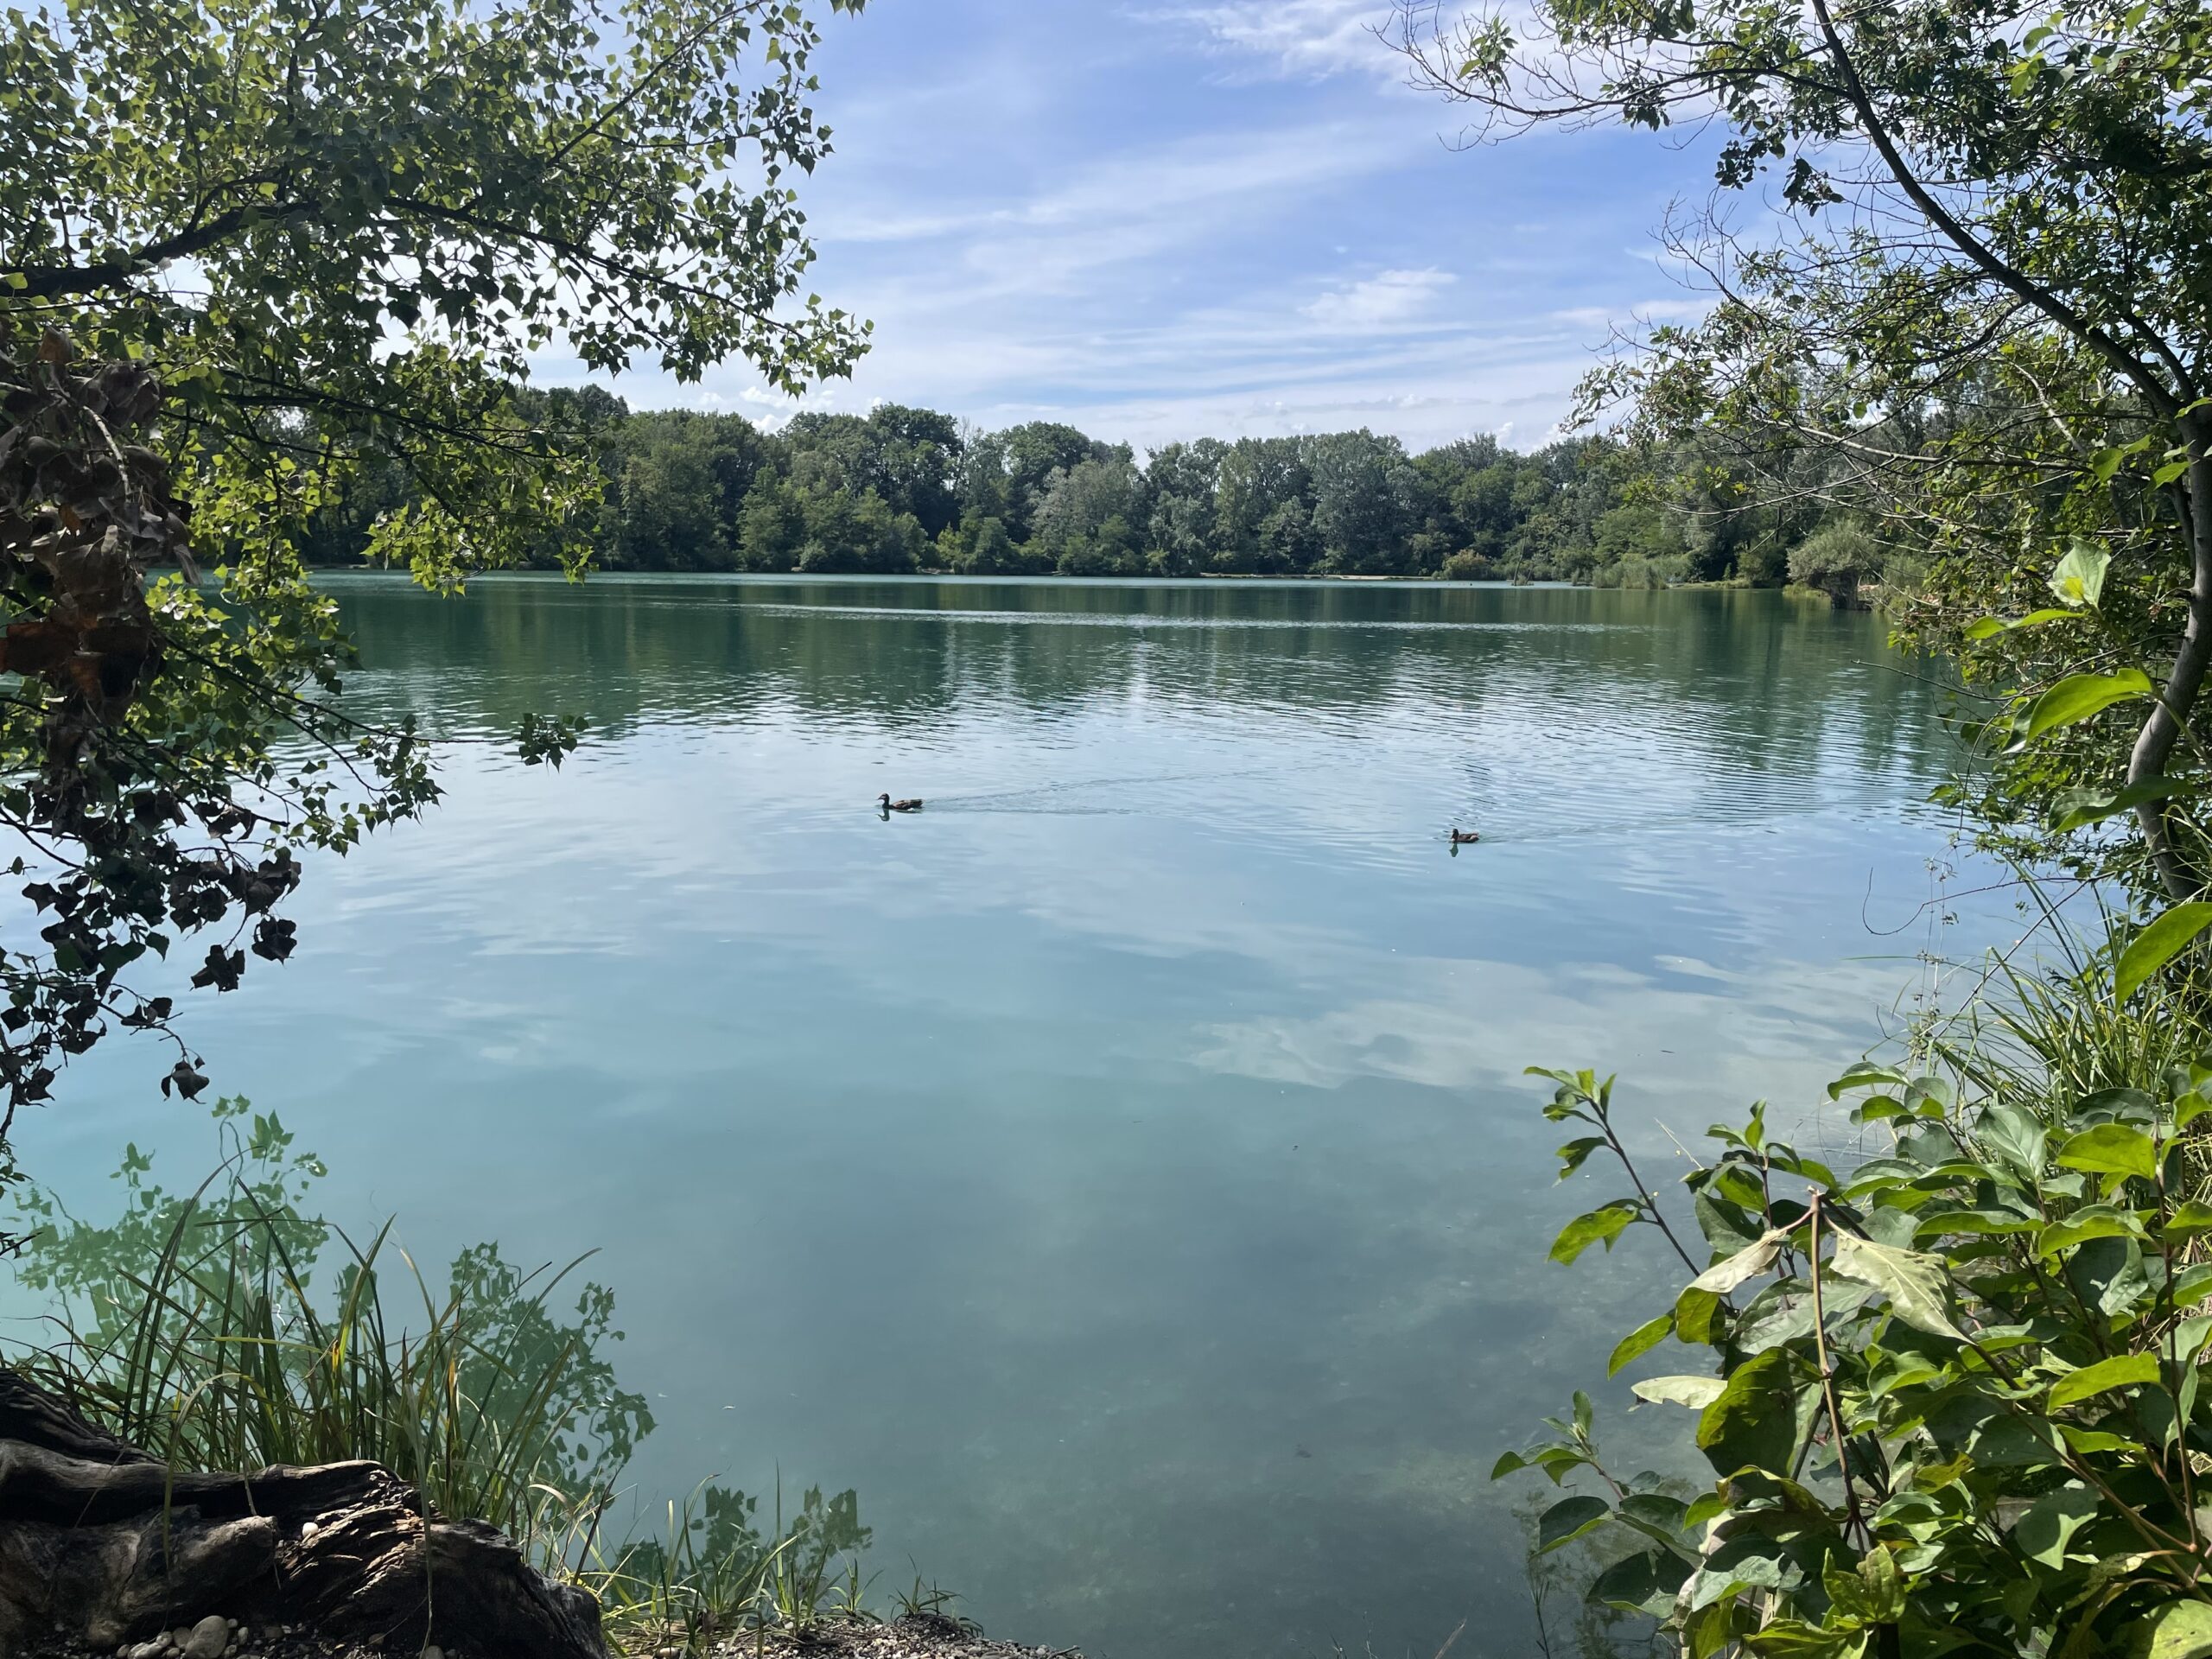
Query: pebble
{"type": "Point", "coordinates": [208, 1639]}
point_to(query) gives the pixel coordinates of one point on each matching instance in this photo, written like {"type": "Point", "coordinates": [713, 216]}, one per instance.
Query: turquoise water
{"type": "Point", "coordinates": [1120, 1171]}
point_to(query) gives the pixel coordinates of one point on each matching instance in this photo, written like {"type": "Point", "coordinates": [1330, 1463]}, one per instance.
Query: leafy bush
{"type": "Point", "coordinates": [1836, 559]}
{"type": "Point", "coordinates": [1952, 1397]}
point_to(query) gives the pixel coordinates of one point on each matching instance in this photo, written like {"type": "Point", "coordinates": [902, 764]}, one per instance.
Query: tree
{"type": "Point", "coordinates": [1992, 319]}
{"type": "Point", "coordinates": [1838, 559]}
{"type": "Point", "coordinates": [1083, 517]}
{"type": "Point", "coordinates": [1366, 500]}
{"type": "Point", "coordinates": [250, 254]}
{"type": "Point", "coordinates": [1012, 473]}
{"type": "Point", "coordinates": [677, 500]}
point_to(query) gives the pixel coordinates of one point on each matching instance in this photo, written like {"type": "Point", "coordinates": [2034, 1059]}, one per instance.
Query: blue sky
{"type": "Point", "coordinates": [1161, 220]}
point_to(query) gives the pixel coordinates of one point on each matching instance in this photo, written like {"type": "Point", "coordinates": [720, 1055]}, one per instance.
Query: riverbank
{"type": "Point", "coordinates": [921, 1637]}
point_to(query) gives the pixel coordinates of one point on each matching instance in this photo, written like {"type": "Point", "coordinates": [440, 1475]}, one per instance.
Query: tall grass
{"type": "Point", "coordinates": [2051, 1037]}
{"type": "Point", "coordinates": [193, 1327]}
{"type": "Point", "coordinates": [230, 1328]}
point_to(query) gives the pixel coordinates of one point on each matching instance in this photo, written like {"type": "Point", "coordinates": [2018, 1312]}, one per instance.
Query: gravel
{"type": "Point", "coordinates": [923, 1636]}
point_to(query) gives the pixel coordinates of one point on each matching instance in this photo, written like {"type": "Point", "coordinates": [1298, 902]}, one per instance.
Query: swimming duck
{"type": "Point", "coordinates": [1465, 837]}
{"type": "Point", "coordinates": [890, 806]}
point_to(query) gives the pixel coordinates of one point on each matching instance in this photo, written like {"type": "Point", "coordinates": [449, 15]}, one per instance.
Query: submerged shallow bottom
{"type": "Point", "coordinates": [1121, 1172]}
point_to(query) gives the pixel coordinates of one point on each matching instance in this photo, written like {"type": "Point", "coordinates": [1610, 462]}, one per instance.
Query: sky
{"type": "Point", "coordinates": [1160, 221]}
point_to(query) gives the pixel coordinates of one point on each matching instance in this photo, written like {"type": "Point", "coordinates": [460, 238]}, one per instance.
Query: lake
{"type": "Point", "coordinates": [1120, 1171]}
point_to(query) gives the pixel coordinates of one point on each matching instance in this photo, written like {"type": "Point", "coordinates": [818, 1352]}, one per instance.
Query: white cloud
{"type": "Point", "coordinates": [1292, 37]}
{"type": "Point", "coordinates": [1136, 204]}
{"type": "Point", "coordinates": [1598, 320]}
{"type": "Point", "coordinates": [1380, 302]}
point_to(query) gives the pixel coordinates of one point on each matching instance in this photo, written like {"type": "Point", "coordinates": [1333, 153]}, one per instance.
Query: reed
{"type": "Point", "coordinates": [233, 1328]}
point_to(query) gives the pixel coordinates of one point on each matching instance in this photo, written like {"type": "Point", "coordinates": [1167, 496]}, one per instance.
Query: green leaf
{"type": "Point", "coordinates": [1917, 1284]}
{"type": "Point", "coordinates": [1571, 1156]}
{"type": "Point", "coordinates": [2079, 696]}
{"type": "Point", "coordinates": [2111, 1150]}
{"type": "Point", "coordinates": [1595, 1226]}
{"type": "Point", "coordinates": [1753, 1422]}
{"type": "Point", "coordinates": [2125, 1370]}
{"type": "Point", "coordinates": [2158, 944]}
{"type": "Point", "coordinates": [1793, 1639]}
{"type": "Point", "coordinates": [1866, 1075]}
{"type": "Point", "coordinates": [2016, 1136]}
{"type": "Point", "coordinates": [1989, 626]}
{"type": "Point", "coordinates": [2181, 1630]}
{"type": "Point", "coordinates": [2079, 581]}
{"type": "Point", "coordinates": [1748, 1263]}
{"type": "Point", "coordinates": [2101, 1221]}
{"type": "Point", "coordinates": [1697, 1316]}
{"type": "Point", "coordinates": [1996, 1222]}
{"type": "Point", "coordinates": [1568, 1519]}
{"type": "Point", "coordinates": [2080, 808]}
{"type": "Point", "coordinates": [1873, 1593]}
{"type": "Point", "coordinates": [2049, 1523]}
{"type": "Point", "coordinates": [1696, 1392]}
{"type": "Point", "coordinates": [1642, 1583]}
{"type": "Point", "coordinates": [1641, 1340]}
{"type": "Point", "coordinates": [1883, 1583]}
{"type": "Point", "coordinates": [2192, 1217]}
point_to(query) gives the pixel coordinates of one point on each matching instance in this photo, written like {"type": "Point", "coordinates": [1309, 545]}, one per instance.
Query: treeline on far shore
{"type": "Point", "coordinates": [901, 490]}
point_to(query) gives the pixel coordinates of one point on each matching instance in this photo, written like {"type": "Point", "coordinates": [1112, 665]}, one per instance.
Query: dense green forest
{"type": "Point", "coordinates": [904, 489]}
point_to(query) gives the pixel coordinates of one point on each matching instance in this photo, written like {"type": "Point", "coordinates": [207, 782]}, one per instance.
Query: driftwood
{"type": "Point", "coordinates": [103, 1544]}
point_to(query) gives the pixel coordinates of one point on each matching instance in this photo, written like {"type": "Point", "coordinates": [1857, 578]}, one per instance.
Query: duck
{"type": "Point", "coordinates": [890, 806]}
{"type": "Point", "coordinates": [1464, 837]}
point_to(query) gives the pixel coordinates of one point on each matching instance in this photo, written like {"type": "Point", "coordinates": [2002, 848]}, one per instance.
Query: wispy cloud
{"type": "Point", "coordinates": [1384, 301]}
{"type": "Point", "coordinates": [1290, 37]}
{"type": "Point", "coordinates": [1072, 213]}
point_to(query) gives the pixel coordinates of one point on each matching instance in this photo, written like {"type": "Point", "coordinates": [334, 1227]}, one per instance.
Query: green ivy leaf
{"type": "Point", "coordinates": [1572, 1154]}
{"type": "Point", "coordinates": [1644, 1582]}
{"type": "Point", "coordinates": [2079, 808]}
{"type": "Point", "coordinates": [1866, 1075]}
{"type": "Point", "coordinates": [1697, 1317]}
{"type": "Point", "coordinates": [2187, 1218]}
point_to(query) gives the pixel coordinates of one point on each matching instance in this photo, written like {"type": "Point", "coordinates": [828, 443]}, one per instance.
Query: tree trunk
{"type": "Point", "coordinates": [2155, 744]}
{"type": "Point", "coordinates": [101, 1543]}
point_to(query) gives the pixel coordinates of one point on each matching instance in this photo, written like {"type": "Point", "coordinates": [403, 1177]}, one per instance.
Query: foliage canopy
{"type": "Point", "coordinates": [250, 251]}
{"type": "Point", "coordinates": [1979, 313]}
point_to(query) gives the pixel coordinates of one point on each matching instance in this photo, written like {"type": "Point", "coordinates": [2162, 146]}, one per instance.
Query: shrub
{"type": "Point", "coordinates": [1951, 1398]}
{"type": "Point", "coordinates": [1836, 559]}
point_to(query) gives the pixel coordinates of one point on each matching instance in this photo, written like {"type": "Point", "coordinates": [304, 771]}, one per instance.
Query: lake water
{"type": "Point", "coordinates": [1120, 1171]}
